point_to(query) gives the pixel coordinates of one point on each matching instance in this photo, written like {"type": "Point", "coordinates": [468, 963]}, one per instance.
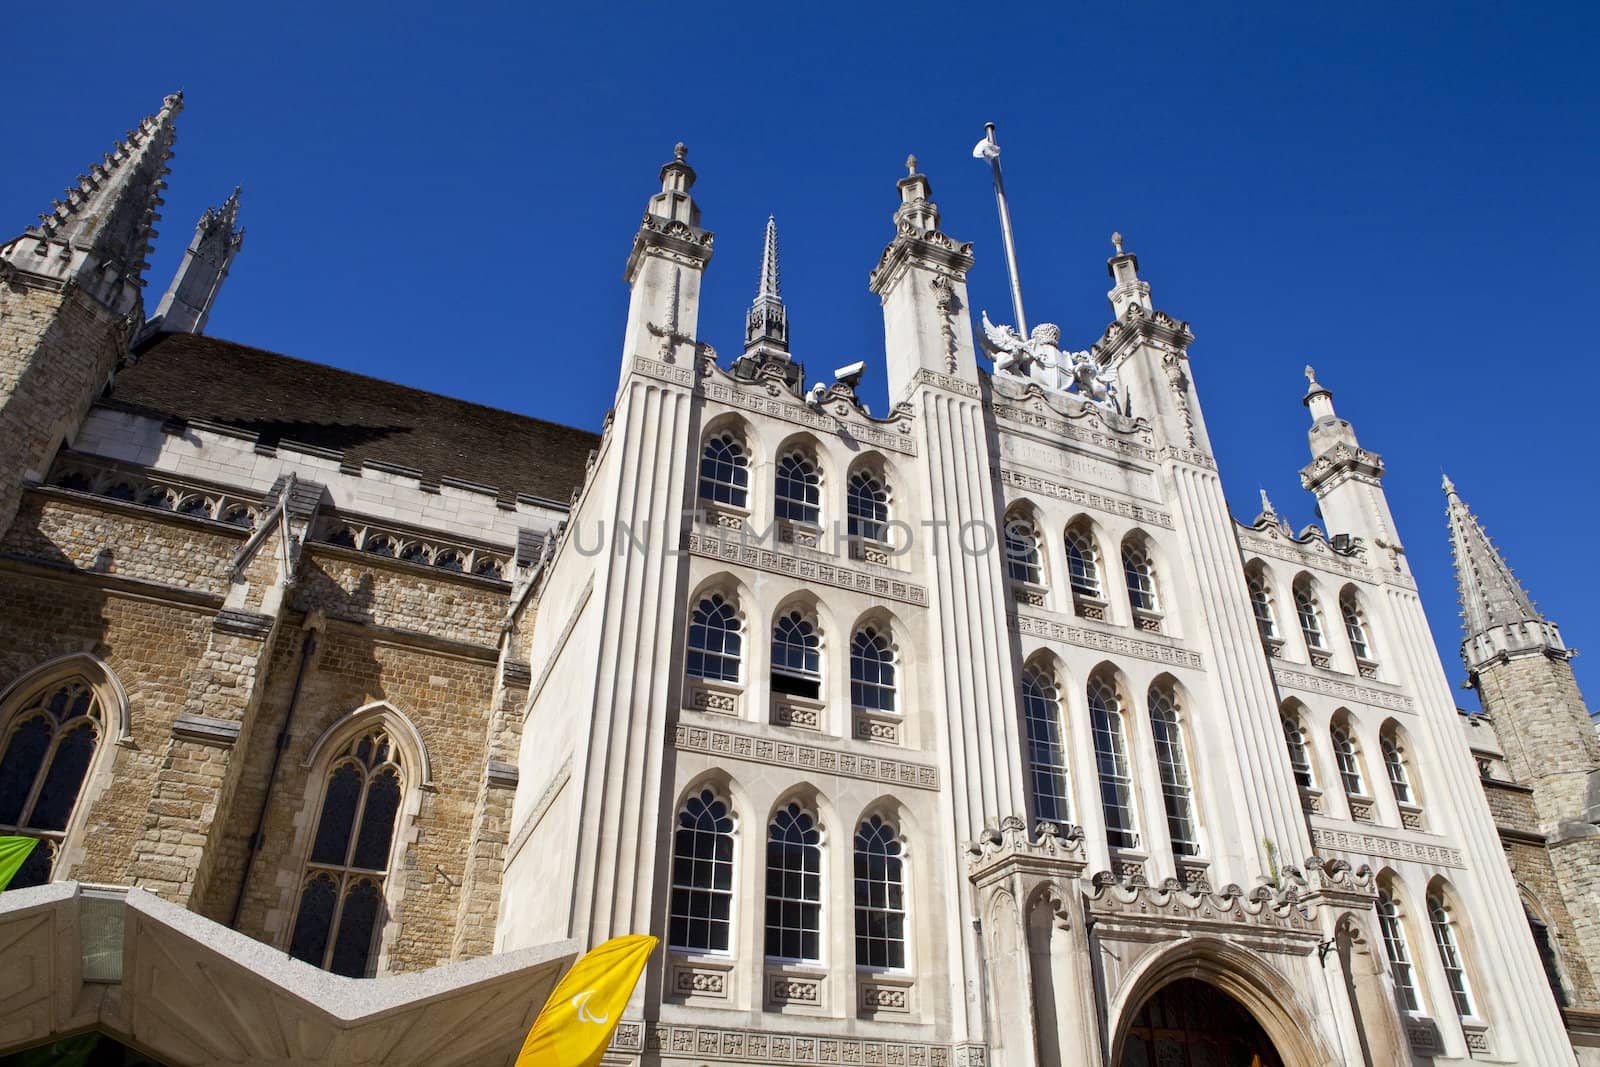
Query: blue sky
{"type": "Point", "coordinates": [1402, 196]}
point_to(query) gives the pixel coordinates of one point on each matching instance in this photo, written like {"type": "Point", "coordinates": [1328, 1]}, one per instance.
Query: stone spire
{"type": "Point", "coordinates": [1498, 617]}
{"type": "Point", "coordinates": [1128, 289]}
{"type": "Point", "coordinates": [188, 300]}
{"type": "Point", "coordinates": [99, 235]}
{"type": "Point", "coordinates": [766, 325]}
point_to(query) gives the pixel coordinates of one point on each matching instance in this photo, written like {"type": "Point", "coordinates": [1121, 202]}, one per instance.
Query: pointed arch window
{"type": "Point", "coordinates": [1305, 606]}
{"type": "Point", "coordinates": [725, 471]}
{"type": "Point", "coordinates": [1177, 792]}
{"type": "Point", "coordinates": [1047, 748]}
{"type": "Point", "coordinates": [702, 876]}
{"type": "Point", "coordinates": [1111, 759]}
{"type": "Point", "coordinates": [1355, 625]}
{"type": "Point", "coordinates": [1394, 765]}
{"type": "Point", "coordinates": [1348, 758]}
{"type": "Point", "coordinates": [1299, 754]}
{"type": "Point", "coordinates": [1444, 939]}
{"type": "Point", "coordinates": [880, 896]}
{"type": "Point", "coordinates": [1083, 562]}
{"type": "Point", "coordinates": [341, 906]}
{"type": "Point", "coordinates": [1399, 953]}
{"type": "Point", "coordinates": [714, 640]}
{"type": "Point", "coordinates": [867, 508]}
{"type": "Point", "coordinates": [1140, 573]}
{"type": "Point", "coordinates": [794, 885]}
{"type": "Point", "coordinates": [798, 493]}
{"type": "Point", "coordinates": [1547, 956]}
{"type": "Point", "coordinates": [872, 681]}
{"type": "Point", "coordinates": [48, 748]}
{"type": "Point", "coordinates": [1022, 549]}
{"type": "Point", "coordinates": [1261, 605]}
{"type": "Point", "coordinates": [796, 657]}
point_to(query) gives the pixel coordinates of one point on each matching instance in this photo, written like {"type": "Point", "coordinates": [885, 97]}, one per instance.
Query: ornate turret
{"type": "Point", "coordinates": [1499, 619]}
{"type": "Point", "coordinates": [1347, 479]}
{"type": "Point", "coordinates": [669, 256]}
{"type": "Point", "coordinates": [766, 324]}
{"type": "Point", "coordinates": [188, 300]}
{"type": "Point", "coordinates": [99, 235]}
{"type": "Point", "coordinates": [1128, 288]}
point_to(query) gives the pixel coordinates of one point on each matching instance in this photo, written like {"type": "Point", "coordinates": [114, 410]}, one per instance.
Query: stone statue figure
{"type": "Point", "coordinates": [1039, 358]}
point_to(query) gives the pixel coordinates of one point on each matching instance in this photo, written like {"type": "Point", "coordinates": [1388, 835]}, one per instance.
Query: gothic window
{"type": "Point", "coordinates": [414, 552]}
{"type": "Point", "coordinates": [238, 515]}
{"type": "Point", "coordinates": [1305, 606]}
{"type": "Point", "coordinates": [1547, 956]}
{"type": "Point", "coordinates": [1261, 604]}
{"type": "Point", "coordinates": [725, 471]}
{"type": "Point", "coordinates": [1111, 759]}
{"type": "Point", "coordinates": [702, 876]}
{"type": "Point", "coordinates": [796, 657]}
{"type": "Point", "coordinates": [381, 545]}
{"type": "Point", "coordinates": [48, 748]}
{"type": "Point", "coordinates": [714, 640]}
{"type": "Point", "coordinates": [794, 886]}
{"type": "Point", "coordinates": [1348, 757]}
{"type": "Point", "coordinates": [880, 896]}
{"type": "Point", "coordinates": [1394, 946]}
{"type": "Point", "coordinates": [1047, 747]}
{"type": "Point", "coordinates": [1444, 939]}
{"type": "Point", "coordinates": [1083, 562]}
{"type": "Point", "coordinates": [1355, 624]}
{"type": "Point", "coordinates": [451, 559]}
{"type": "Point", "coordinates": [867, 508]}
{"type": "Point", "coordinates": [488, 568]}
{"type": "Point", "coordinates": [341, 897]}
{"type": "Point", "coordinates": [1176, 790]}
{"type": "Point", "coordinates": [1022, 548]}
{"type": "Point", "coordinates": [1141, 576]}
{"type": "Point", "coordinates": [1299, 755]}
{"type": "Point", "coordinates": [1394, 766]}
{"type": "Point", "coordinates": [872, 686]}
{"type": "Point", "coordinates": [798, 490]}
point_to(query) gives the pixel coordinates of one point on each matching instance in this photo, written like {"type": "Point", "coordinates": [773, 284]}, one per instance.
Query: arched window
{"type": "Point", "coordinates": [1355, 624]}
{"type": "Point", "coordinates": [880, 896]}
{"type": "Point", "coordinates": [1547, 956]}
{"type": "Point", "coordinates": [867, 508]}
{"type": "Point", "coordinates": [1261, 605]}
{"type": "Point", "coordinates": [714, 640]}
{"type": "Point", "coordinates": [1399, 953]}
{"type": "Point", "coordinates": [796, 657]}
{"type": "Point", "coordinates": [1047, 747]}
{"type": "Point", "coordinates": [1305, 606]}
{"type": "Point", "coordinates": [1140, 574]}
{"type": "Point", "coordinates": [1022, 548]}
{"type": "Point", "coordinates": [1299, 755]}
{"type": "Point", "coordinates": [1083, 562]}
{"type": "Point", "coordinates": [341, 897]}
{"type": "Point", "coordinates": [1111, 758]}
{"type": "Point", "coordinates": [794, 886]}
{"type": "Point", "coordinates": [798, 490]}
{"type": "Point", "coordinates": [725, 471]}
{"type": "Point", "coordinates": [49, 745]}
{"type": "Point", "coordinates": [1348, 757]}
{"type": "Point", "coordinates": [872, 685]}
{"type": "Point", "coordinates": [1444, 939]}
{"type": "Point", "coordinates": [1176, 790]}
{"type": "Point", "coordinates": [702, 876]}
{"type": "Point", "coordinates": [1394, 765]}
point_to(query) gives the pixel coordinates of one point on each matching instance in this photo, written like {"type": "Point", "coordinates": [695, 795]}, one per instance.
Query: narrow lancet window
{"type": "Point", "coordinates": [702, 876]}
{"type": "Point", "coordinates": [794, 886]}
{"type": "Point", "coordinates": [1176, 790]}
{"type": "Point", "coordinates": [880, 896]}
{"type": "Point", "coordinates": [1444, 939]}
{"type": "Point", "coordinates": [1047, 747]}
{"type": "Point", "coordinates": [1111, 758]}
{"type": "Point", "coordinates": [1399, 953]}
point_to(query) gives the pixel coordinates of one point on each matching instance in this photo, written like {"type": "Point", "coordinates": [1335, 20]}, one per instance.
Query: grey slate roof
{"type": "Point", "coordinates": [192, 377]}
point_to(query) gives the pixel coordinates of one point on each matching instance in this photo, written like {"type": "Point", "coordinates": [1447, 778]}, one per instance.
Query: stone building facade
{"type": "Point", "coordinates": [974, 732]}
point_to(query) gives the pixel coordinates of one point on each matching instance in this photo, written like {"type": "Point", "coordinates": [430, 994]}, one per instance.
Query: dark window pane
{"type": "Point", "coordinates": [59, 793]}
{"type": "Point", "coordinates": [310, 940]}
{"type": "Point", "coordinates": [352, 948]}
{"type": "Point", "coordinates": [377, 822]}
{"type": "Point", "coordinates": [21, 765]}
{"type": "Point", "coordinates": [35, 870]}
{"type": "Point", "coordinates": [338, 812]}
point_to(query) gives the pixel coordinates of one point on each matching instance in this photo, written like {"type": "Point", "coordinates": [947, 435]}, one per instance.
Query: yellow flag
{"type": "Point", "coordinates": [577, 1020]}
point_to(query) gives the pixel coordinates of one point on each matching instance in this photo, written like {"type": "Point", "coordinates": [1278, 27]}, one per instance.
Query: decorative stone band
{"type": "Point", "coordinates": [1191, 456]}
{"type": "Point", "coordinates": [1084, 498]}
{"type": "Point", "coordinates": [1021, 418]}
{"type": "Point", "coordinates": [201, 729]}
{"type": "Point", "coordinates": [1264, 907]}
{"type": "Point", "coordinates": [1066, 633]}
{"type": "Point", "coordinates": [1379, 846]}
{"type": "Point", "coordinates": [791, 409]}
{"type": "Point", "coordinates": [763, 1046]}
{"type": "Point", "coordinates": [1366, 694]}
{"type": "Point", "coordinates": [805, 757]}
{"type": "Point", "coordinates": [155, 489]}
{"type": "Point", "coordinates": [664, 372]}
{"type": "Point", "coordinates": [947, 382]}
{"type": "Point", "coordinates": [1312, 553]}
{"type": "Point", "coordinates": [731, 550]}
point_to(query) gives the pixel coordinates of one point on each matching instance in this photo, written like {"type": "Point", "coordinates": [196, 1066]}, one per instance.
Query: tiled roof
{"type": "Point", "coordinates": [282, 399]}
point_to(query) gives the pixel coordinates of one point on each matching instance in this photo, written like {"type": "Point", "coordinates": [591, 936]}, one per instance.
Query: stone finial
{"type": "Point", "coordinates": [911, 165]}
{"type": "Point", "coordinates": [680, 151]}
{"type": "Point", "coordinates": [1266, 504]}
{"type": "Point", "coordinates": [1311, 376]}
{"type": "Point", "coordinates": [1447, 485]}
{"type": "Point", "coordinates": [187, 303]}
{"type": "Point", "coordinates": [1116, 242]}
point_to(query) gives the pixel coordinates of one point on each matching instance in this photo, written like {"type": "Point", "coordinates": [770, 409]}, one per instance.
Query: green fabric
{"type": "Point", "coordinates": [13, 850]}
{"type": "Point", "coordinates": [68, 1052]}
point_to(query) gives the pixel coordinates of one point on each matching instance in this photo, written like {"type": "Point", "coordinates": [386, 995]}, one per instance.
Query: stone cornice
{"type": "Point", "coordinates": [930, 248]}
{"type": "Point", "coordinates": [803, 757]}
{"type": "Point", "coordinates": [948, 382]}
{"type": "Point", "coordinates": [1340, 461]}
{"type": "Point", "coordinates": [676, 240]}
{"type": "Point", "coordinates": [1136, 325]}
{"type": "Point", "coordinates": [1022, 420]}
{"type": "Point", "coordinates": [1030, 483]}
{"type": "Point", "coordinates": [1121, 644]}
{"type": "Point", "coordinates": [1051, 850]}
{"type": "Point", "coordinates": [733, 550]}
{"type": "Point", "coordinates": [840, 419]}
{"type": "Point", "coordinates": [1305, 682]}
{"type": "Point", "coordinates": [1381, 846]}
{"type": "Point", "coordinates": [1265, 908]}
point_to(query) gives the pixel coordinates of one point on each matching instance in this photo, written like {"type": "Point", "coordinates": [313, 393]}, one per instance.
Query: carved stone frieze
{"type": "Point", "coordinates": [1288, 678]}
{"type": "Point", "coordinates": [1135, 442]}
{"type": "Point", "coordinates": [1085, 498]}
{"type": "Point", "coordinates": [805, 757]}
{"type": "Point", "coordinates": [1379, 846]}
{"type": "Point", "coordinates": [946, 382]}
{"type": "Point", "coordinates": [731, 550]}
{"type": "Point", "coordinates": [1000, 847]}
{"type": "Point", "coordinates": [718, 1043]}
{"type": "Point", "coordinates": [893, 433]}
{"type": "Point", "coordinates": [1066, 633]}
{"type": "Point", "coordinates": [1166, 905]}
{"type": "Point", "coordinates": [665, 372]}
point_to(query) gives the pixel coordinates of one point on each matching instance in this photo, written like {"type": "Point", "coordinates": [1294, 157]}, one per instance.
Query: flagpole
{"type": "Point", "coordinates": [990, 150]}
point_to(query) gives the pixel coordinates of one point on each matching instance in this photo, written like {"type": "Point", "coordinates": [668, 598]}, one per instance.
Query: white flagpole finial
{"type": "Point", "coordinates": [989, 149]}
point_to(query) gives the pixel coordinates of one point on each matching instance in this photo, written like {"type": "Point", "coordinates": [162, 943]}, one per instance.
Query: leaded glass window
{"type": "Point", "coordinates": [1348, 759]}
{"type": "Point", "coordinates": [794, 885]}
{"type": "Point", "coordinates": [702, 876]}
{"type": "Point", "coordinates": [1394, 946]}
{"type": "Point", "coordinates": [1299, 755]}
{"type": "Point", "coordinates": [341, 905]}
{"type": "Point", "coordinates": [1444, 939]}
{"type": "Point", "coordinates": [1111, 759]}
{"type": "Point", "coordinates": [872, 681]}
{"type": "Point", "coordinates": [867, 508]}
{"type": "Point", "coordinates": [1177, 792]}
{"type": "Point", "coordinates": [1047, 747]}
{"type": "Point", "coordinates": [1394, 765]}
{"type": "Point", "coordinates": [796, 657]}
{"type": "Point", "coordinates": [714, 640]}
{"type": "Point", "coordinates": [1083, 562]}
{"type": "Point", "coordinates": [798, 490]}
{"type": "Point", "coordinates": [1305, 606]}
{"type": "Point", "coordinates": [1261, 605]}
{"type": "Point", "coordinates": [880, 896]}
{"type": "Point", "coordinates": [1355, 625]}
{"type": "Point", "coordinates": [48, 748]}
{"type": "Point", "coordinates": [1022, 549]}
{"type": "Point", "coordinates": [725, 471]}
{"type": "Point", "coordinates": [1141, 577]}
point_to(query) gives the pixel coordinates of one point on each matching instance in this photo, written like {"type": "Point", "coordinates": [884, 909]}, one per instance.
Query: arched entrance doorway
{"type": "Point", "coordinates": [1190, 1023]}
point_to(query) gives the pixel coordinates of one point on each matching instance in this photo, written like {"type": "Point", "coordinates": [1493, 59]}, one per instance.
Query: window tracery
{"type": "Point", "coordinates": [796, 656]}
{"type": "Point", "coordinates": [49, 745]}
{"type": "Point", "coordinates": [1305, 606]}
{"type": "Point", "coordinates": [1299, 755]}
{"type": "Point", "coordinates": [872, 671]}
{"type": "Point", "coordinates": [1397, 951]}
{"type": "Point", "coordinates": [798, 490]}
{"type": "Point", "coordinates": [715, 640]}
{"type": "Point", "coordinates": [1140, 573]}
{"type": "Point", "coordinates": [1177, 791]}
{"type": "Point", "coordinates": [701, 915]}
{"type": "Point", "coordinates": [1261, 605]}
{"type": "Point", "coordinates": [1023, 563]}
{"type": "Point", "coordinates": [1047, 749]}
{"type": "Point", "coordinates": [1355, 625]}
{"type": "Point", "coordinates": [879, 896]}
{"type": "Point", "coordinates": [1111, 758]}
{"type": "Point", "coordinates": [1348, 758]}
{"type": "Point", "coordinates": [1083, 562]}
{"type": "Point", "coordinates": [794, 886]}
{"type": "Point", "coordinates": [867, 508]}
{"type": "Point", "coordinates": [725, 471]}
{"type": "Point", "coordinates": [1444, 939]}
